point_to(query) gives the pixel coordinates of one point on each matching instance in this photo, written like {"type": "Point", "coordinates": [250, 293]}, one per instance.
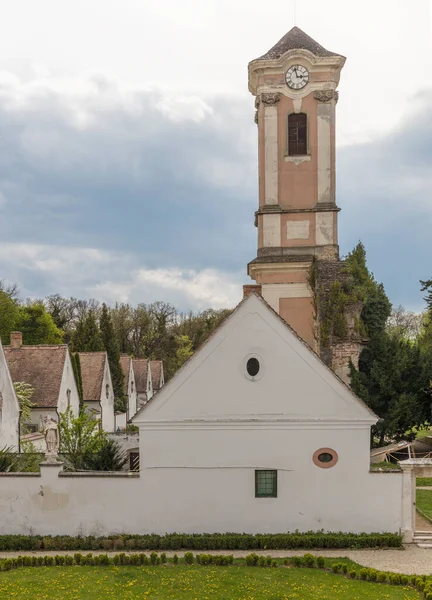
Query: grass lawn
{"type": "Point", "coordinates": [190, 583]}
{"type": "Point", "coordinates": [424, 481]}
{"type": "Point", "coordinates": [424, 502]}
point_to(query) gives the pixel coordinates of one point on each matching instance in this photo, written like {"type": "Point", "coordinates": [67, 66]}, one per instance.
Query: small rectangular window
{"type": "Point", "coordinates": [266, 484]}
{"type": "Point", "coordinates": [297, 134]}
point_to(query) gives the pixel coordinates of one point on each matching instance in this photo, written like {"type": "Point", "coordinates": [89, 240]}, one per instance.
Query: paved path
{"type": "Point", "coordinates": [410, 560]}
{"type": "Point", "coordinates": [423, 487]}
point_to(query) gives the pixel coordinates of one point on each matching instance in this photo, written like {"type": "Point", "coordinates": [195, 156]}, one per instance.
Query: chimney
{"type": "Point", "coordinates": [16, 339]}
{"type": "Point", "coordinates": [250, 289]}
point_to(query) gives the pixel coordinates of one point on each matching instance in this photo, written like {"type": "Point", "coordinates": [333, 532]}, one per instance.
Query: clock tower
{"type": "Point", "coordinates": [294, 85]}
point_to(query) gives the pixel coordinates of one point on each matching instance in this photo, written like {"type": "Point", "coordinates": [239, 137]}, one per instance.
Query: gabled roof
{"type": "Point", "coordinates": [306, 388]}
{"type": "Point", "coordinates": [40, 366]}
{"type": "Point", "coordinates": [140, 367]}
{"type": "Point", "coordinates": [125, 362]}
{"type": "Point", "coordinates": [92, 374]}
{"type": "Point", "coordinates": [296, 39]}
{"type": "Point", "coordinates": [156, 369]}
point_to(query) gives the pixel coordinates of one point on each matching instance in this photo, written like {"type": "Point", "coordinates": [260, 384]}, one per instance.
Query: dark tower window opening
{"type": "Point", "coordinates": [297, 134]}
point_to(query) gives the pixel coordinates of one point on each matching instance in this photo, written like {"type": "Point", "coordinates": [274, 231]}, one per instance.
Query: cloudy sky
{"type": "Point", "coordinates": [128, 149]}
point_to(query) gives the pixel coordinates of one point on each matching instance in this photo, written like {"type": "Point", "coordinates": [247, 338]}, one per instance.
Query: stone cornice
{"type": "Point", "coordinates": [258, 422]}
{"type": "Point", "coordinates": [326, 95]}
{"type": "Point", "coordinates": [270, 98]}
{"type": "Point", "coordinates": [276, 208]}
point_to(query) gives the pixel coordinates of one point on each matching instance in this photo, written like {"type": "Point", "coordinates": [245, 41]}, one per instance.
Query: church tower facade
{"type": "Point", "coordinates": [295, 88]}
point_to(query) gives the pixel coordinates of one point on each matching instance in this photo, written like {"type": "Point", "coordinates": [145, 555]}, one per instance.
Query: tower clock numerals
{"type": "Point", "coordinates": [297, 77]}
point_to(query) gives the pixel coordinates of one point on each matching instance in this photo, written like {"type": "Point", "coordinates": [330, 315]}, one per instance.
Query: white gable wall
{"type": "Point", "coordinates": [68, 383]}
{"type": "Point", "coordinates": [206, 432]}
{"type": "Point", "coordinates": [131, 393]}
{"type": "Point", "coordinates": [9, 413]}
{"type": "Point", "coordinates": [107, 401]}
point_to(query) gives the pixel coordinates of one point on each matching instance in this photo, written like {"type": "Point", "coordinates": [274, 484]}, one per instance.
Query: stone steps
{"type": "Point", "coordinates": [423, 539]}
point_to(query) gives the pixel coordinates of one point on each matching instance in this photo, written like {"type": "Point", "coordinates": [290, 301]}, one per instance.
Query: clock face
{"type": "Point", "coordinates": [297, 77]}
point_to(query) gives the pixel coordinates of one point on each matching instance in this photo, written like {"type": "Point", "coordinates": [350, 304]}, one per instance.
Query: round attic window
{"type": "Point", "coordinates": [325, 458]}
{"type": "Point", "coordinates": [253, 367]}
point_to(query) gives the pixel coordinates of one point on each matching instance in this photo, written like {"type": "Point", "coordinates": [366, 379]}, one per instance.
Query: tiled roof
{"type": "Point", "coordinates": [125, 361]}
{"type": "Point", "coordinates": [156, 368]}
{"type": "Point", "coordinates": [140, 367]}
{"type": "Point", "coordinates": [296, 39]}
{"type": "Point", "coordinates": [40, 366]}
{"type": "Point", "coordinates": [92, 373]}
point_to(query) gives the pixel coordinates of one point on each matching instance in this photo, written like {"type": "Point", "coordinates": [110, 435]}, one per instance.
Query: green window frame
{"type": "Point", "coordinates": [266, 483]}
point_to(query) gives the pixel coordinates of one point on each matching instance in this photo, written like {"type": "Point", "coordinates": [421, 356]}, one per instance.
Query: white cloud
{"type": "Point", "coordinates": [116, 277]}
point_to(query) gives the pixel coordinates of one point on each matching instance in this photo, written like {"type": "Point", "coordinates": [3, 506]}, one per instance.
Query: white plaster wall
{"type": "Point", "coordinates": [271, 230]}
{"type": "Point", "coordinates": [68, 383]}
{"type": "Point", "coordinates": [9, 413]}
{"type": "Point", "coordinates": [120, 421]}
{"type": "Point", "coordinates": [271, 154]}
{"type": "Point", "coordinates": [107, 403]}
{"type": "Point", "coordinates": [38, 414]}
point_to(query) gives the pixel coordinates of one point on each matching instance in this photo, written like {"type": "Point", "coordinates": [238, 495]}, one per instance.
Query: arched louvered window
{"type": "Point", "coordinates": [297, 134]}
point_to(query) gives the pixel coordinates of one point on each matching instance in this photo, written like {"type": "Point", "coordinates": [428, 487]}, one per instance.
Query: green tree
{"type": "Point", "coordinates": [87, 336]}
{"type": "Point", "coordinates": [37, 326]}
{"type": "Point", "coordinates": [426, 286]}
{"type": "Point", "coordinates": [80, 437]}
{"type": "Point", "coordinates": [390, 377]}
{"type": "Point", "coordinates": [113, 352]}
{"type": "Point", "coordinates": [110, 457]}
{"type": "Point", "coordinates": [76, 366]}
{"type": "Point", "coordinates": [9, 311]}
{"type": "Point", "coordinates": [184, 349]}
{"type": "Point", "coordinates": [24, 393]}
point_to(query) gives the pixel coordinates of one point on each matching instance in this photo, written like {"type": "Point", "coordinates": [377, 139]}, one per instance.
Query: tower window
{"type": "Point", "coordinates": [297, 134]}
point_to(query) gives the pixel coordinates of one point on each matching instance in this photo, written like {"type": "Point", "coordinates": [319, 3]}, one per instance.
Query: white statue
{"type": "Point", "coordinates": [52, 438]}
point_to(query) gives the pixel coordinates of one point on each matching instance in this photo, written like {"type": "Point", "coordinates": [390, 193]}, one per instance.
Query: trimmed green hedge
{"type": "Point", "coordinates": [205, 541]}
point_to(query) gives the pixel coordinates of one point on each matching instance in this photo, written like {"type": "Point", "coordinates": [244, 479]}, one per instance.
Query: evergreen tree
{"type": "Point", "coordinates": [390, 378]}
{"type": "Point", "coordinates": [8, 316]}
{"type": "Point", "coordinates": [87, 336]}
{"type": "Point", "coordinates": [113, 352]}
{"type": "Point", "coordinates": [76, 367]}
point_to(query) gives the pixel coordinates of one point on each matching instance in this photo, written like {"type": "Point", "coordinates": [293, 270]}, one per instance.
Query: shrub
{"type": "Point", "coordinates": [268, 561]}
{"type": "Point", "coordinates": [103, 559]}
{"type": "Point", "coordinates": [69, 560]}
{"type": "Point", "coordinates": [251, 560]}
{"type": "Point", "coordinates": [404, 580]}
{"type": "Point", "coordinates": [7, 564]}
{"type": "Point", "coordinates": [429, 596]}
{"type": "Point", "coordinates": [262, 561]}
{"type": "Point", "coordinates": [59, 560]}
{"type": "Point", "coordinates": [116, 559]}
{"type": "Point", "coordinates": [336, 567]}
{"type": "Point", "coordinates": [364, 573]}
{"type": "Point", "coordinates": [143, 559]}
{"type": "Point", "coordinates": [309, 560]}
{"type": "Point", "coordinates": [175, 559]}
{"type": "Point", "coordinates": [274, 563]}
{"type": "Point", "coordinates": [78, 558]}
{"type": "Point", "coordinates": [344, 569]}
{"type": "Point", "coordinates": [353, 574]}
{"type": "Point", "coordinates": [154, 558]}
{"type": "Point", "coordinates": [382, 577]}
{"type": "Point", "coordinates": [297, 561]}
{"type": "Point", "coordinates": [40, 561]}
{"type": "Point", "coordinates": [372, 575]}
{"type": "Point", "coordinates": [320, 562]}
{"type": "Point", "coordinates": [163, 558]}
{"type": "Point", "coordinates": [395, 579]}
{"type": "Point", "coordinates": [34, 562]}
{"type": "Point", "coordinates": [188, 558]}
{"type": "Point", "coordinates": [420, 585]}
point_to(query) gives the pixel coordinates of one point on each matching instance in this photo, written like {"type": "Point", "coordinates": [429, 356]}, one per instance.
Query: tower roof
{"type": "Point", "coordinates": [296, 39]}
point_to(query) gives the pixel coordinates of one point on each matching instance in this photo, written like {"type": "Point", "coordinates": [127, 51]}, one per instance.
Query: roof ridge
{"type": "Point", "coordinates": [296, 39]}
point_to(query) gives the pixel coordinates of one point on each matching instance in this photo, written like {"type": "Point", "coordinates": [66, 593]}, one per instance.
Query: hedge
{"type": "Point", "coordinates": [205, 541]}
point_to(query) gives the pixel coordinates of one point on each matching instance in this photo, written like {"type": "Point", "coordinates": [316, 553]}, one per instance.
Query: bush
{"type": "Point", "coordinates": [262, 561]}
{"type": "Point", "coordinates": [143, 559]}
{"type": "Point", "coordinates": [297, 561]}
{"type": "Point", "coordinates": [320, 562]}
{"type": "Point", "coordinates": [336, 567]}
{"type": "Point", "coordinates": [188, 558]}
{"type": "Point", "coordinates": [274, 563]}
{"type": "Point", "coordinates": [78, 558]}
{"type": "Point", "coordinates": [154, 558]}
{"type": "Point", "coordinates": [344, 569]}
{"type": "Point", "coordinates": [268, 561]}
{"type": "Point", "coordinates": [309, 560]}
{"type": "Point", "coordinates": [372, 575]}
{"type": "Point", "coordinates": [382, 577]}
{"type": "Point", "coordinates": [251, 560]}
{"type": "Point", "coordinates": [69, 560]}
{"type": "Point", "coordinates": [175, 559]}
{"type": "Point", "coordinates": [163, 558]}
{"type": "Point", "coordinates": [364, 574]}
{"type": "Point", "coordinates": [353, 574]}
{"type": "Point", "coordinates": [404, 580]}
